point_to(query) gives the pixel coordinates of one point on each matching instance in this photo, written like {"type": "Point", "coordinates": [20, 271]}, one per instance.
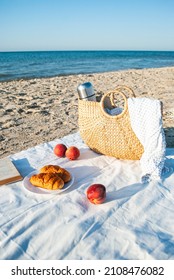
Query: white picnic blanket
{"type": "Point", "coordinates": [135, 222]}
{"type": "Point", "coordinates": [146, 122]}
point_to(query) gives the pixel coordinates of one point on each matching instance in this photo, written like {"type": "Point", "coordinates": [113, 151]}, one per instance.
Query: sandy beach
{"type": "Point", "coordinates": [40, 110]}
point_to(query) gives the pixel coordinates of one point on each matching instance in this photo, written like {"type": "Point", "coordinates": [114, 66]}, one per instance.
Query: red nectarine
{"type": "Point", "coordinates": [96, 193]}
{"type": "Point", "coordinates": [60, 150]}
{"type": "Point", "coordinates": [72, 153]}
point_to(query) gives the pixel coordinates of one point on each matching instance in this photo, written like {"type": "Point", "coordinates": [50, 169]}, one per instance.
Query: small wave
{"type": "Point", "coordinates": [35, 63]}
{"type": "Point", "coordinates": [4, 75]}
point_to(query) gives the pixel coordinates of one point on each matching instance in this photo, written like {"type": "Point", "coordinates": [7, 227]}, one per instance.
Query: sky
{"type": "Point", "coordinates": [27, 25]}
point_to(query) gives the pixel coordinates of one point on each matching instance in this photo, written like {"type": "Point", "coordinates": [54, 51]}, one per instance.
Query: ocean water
{"type": "Point", "coordinates": [26, 65]}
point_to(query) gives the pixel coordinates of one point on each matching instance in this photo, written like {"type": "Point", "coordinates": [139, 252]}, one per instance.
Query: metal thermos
{"type": "Point", "coordinates": [86, 92]}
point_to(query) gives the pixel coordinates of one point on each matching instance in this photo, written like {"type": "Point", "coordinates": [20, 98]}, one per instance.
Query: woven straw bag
{"type": "Point", "coordinates": [107, 134]}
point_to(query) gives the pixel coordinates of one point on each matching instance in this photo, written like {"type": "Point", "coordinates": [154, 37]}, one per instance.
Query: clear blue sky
{"type": "Point", "coordinates": [86, 25]}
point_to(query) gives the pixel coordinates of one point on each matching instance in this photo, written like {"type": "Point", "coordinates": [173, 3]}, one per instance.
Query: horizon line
{"type": "Point", "coordinates": [91, 50]}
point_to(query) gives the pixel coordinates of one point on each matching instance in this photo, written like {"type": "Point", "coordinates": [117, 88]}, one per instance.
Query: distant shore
{"type": "Point", "coordinates": [34, 111]}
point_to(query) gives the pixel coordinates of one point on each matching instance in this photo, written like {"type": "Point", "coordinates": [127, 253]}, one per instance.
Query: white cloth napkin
{"type": "Point", "coordinates": [146, 122]}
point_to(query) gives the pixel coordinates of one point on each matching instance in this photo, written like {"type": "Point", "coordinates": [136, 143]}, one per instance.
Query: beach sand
{"type": "Point", "coordinates": [40, 110]}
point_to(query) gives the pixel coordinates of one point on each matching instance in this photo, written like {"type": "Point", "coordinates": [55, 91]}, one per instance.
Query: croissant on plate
{"type": "Point", "coordinates": [50, 181]}
{"type": "Point", "coordinates": [63, 173]}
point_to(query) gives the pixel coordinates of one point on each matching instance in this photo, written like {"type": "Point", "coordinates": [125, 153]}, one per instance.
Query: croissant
{"type": "Point", "coordinates": [63, 173]}
{"type": "Point", "coordinates": [50, 181]}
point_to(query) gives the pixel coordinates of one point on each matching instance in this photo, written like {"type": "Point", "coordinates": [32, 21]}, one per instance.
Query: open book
{"type": "Point", "coordinates": [8, 172]}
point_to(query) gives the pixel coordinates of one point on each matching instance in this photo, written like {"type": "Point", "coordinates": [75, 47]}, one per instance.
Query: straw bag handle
{"type": "Point", "coordinates": [123, 87]}
{"type": "Point", "coordinates": [120, 88]}
{"type": "Point", "coordinates": [111, 94]}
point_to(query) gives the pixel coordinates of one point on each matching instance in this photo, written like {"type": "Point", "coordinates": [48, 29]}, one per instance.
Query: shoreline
{"type": "Point", "coordinates": [81, 73]}
{"type": "Point", "coordinates": [34, 111]}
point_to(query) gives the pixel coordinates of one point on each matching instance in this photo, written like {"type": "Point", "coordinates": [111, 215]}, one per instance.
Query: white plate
{"type": "Point", "coordinates": [31, 188]}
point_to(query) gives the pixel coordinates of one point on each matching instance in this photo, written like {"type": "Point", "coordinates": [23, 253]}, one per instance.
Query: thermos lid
{"type": "Point", "coordinates": [85, 90]}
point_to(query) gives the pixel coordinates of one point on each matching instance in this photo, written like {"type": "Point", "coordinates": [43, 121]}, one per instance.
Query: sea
{"type": "Point", "coordinates": [40, 64]}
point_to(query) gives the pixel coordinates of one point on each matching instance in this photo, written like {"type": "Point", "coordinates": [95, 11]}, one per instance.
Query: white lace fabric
{"type": "Point", "coordinates": [146, 122]}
